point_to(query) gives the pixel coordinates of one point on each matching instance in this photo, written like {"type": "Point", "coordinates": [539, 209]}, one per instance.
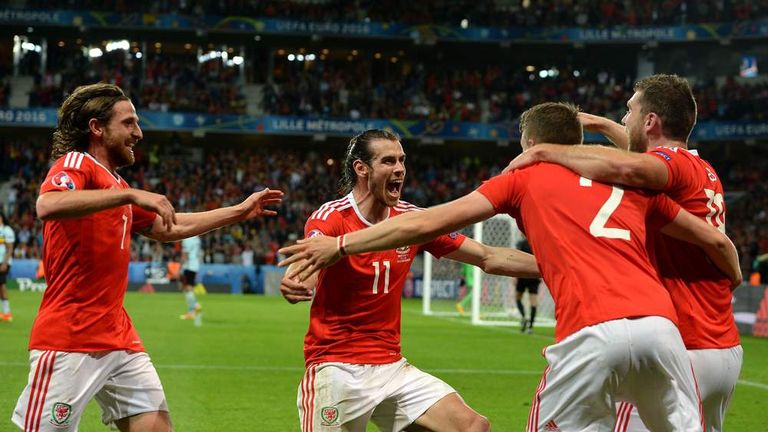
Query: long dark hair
{"type": "Point", "coordinates": [360, 148]}
{"type": "Point", "coordinates": [86, 102]}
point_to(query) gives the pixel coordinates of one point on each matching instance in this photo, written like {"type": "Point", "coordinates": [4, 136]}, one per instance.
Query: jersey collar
{"type": "Point", "coordinates": [359, 214]}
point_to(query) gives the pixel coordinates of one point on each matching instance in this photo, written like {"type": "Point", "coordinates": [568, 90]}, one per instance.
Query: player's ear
{"type": "Point", "coordinates": [651, 120]}
{"type": "Point", "coordinates": [360, 167]}
{"type": "Point", "coordinates": [96, 128]}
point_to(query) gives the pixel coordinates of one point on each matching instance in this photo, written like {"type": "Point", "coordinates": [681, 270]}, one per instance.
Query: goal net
{"type": "Point", "coordinates": [491, 300]}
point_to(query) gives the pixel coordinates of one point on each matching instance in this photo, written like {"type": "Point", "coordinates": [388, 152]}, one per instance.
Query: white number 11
{"type": "Point", "coordinates": [376, 266]}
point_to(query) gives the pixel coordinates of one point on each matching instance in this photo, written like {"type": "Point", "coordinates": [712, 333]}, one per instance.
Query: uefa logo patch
{"type": "Point", "coordinates": [314, 233]}
{"type": "Point", "coordinates": [63, 180]}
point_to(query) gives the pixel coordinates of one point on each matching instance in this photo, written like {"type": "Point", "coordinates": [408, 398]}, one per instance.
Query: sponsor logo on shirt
{"type": "Point", "coordinates": [60, 414]}
{"type": "Point", "coordinates": [314, 233]}
{"type": "Point", "coordinates": [329, 415]}
{"type": "Point", "coordinates": [62, 180]}
{"type": "Point", "coordinates": [664, 155]}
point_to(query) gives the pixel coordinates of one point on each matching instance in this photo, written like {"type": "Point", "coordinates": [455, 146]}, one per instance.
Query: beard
{"type": "Point", "coordinates": [119, 153]}
{"type": "Point", "coordinates": [637, 143]}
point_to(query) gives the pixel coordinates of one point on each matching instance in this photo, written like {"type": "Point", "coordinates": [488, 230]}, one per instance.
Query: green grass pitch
{"type": "Point", "coordinates": [240, 370]}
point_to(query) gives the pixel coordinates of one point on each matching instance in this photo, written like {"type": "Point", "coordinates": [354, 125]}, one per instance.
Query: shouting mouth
{"type": "Point", "coordinates": [394, 187]}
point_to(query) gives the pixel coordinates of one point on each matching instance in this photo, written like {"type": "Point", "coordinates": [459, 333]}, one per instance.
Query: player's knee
{"type": "Point", "coordinates": [480, 424]}
{"type": "Point", "coordinates": [475, 423]}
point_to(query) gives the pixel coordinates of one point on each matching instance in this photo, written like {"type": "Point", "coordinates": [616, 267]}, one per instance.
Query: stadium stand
{"type": "Point", "coordinates": [179, 70]}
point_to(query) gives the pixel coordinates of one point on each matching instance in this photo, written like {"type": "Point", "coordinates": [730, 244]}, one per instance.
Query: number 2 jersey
{"type": "Point", "coordinates": [589, 240]}
{"type": "Point", "coordinates": [701, 293]}
{"type": "Point", "coordinates": [355, 315]}
{"type": "Point", "coordinates": [86, 265]}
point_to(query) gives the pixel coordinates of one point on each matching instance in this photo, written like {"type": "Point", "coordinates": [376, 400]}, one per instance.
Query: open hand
{"type": "Point", "coordinates": [253, 206]}
{"type": "Point", "coordinates": [310, 255]}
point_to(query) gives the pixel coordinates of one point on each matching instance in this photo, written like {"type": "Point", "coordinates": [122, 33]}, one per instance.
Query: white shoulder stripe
{"type": "Point", "coordinates": [334, 206]}
{"type": "Point", "coordinates": [338, 209]}
{"type": "Point", "coordinates": [73, 160]}
{"type": "Point", "coordinates": [409, 209]}
{"type": "Point", "coordinates": [331, 203]}
{"type": "Point", "coordinates": [326, 209]}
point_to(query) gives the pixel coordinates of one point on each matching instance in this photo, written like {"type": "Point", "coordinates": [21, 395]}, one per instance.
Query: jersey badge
{"type": "Point", "coordinates": [664, 155]}
{"type": "Point", "coordinates": [60, 414]}
{"type": "Point", "coordinates": [403, 253]}
{"type": "Point", "coordinates": [454, 235]}
{"type": "Point", "coordinates": [329, 415]}
{"type": "Point", "coordinates": [62, 180]}
{"type": "Point", "coordinates": [711, 175]}
{"type": "Point", "coordinates": [314, 233]}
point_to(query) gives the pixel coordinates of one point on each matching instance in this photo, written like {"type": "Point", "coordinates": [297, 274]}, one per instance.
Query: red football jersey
{"type": "Point", "coordinates": [589, 241]}
{"type": "Point", "coordinates": [355, 315]}
{"type": "Point", "coordinates": [700, 291]}
{"type": "Point", "coordinates": [86, 266]}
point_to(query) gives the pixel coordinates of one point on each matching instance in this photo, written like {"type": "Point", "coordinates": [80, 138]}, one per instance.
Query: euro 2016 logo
{"type": "Point", "coordinates": [63, 180]}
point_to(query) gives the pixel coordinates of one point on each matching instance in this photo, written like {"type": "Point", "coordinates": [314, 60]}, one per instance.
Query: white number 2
{"type": "Point", "coordinates": [377, 268]}
{"type": "Point", "coordinates": [125, 225]}
{"type": "Point", "coordinates": [597, 228]}
{"type": "Point", "coordinates": [716, 207]}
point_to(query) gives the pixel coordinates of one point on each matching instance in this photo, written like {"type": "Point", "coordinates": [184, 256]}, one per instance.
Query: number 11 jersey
{"type": "Point", "coordinates": [355, 315]}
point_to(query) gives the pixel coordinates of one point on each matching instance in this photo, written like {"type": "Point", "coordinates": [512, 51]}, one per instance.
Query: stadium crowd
{"type": "Point", "coordinates": [225, 176]}
{"type": "Point", "coordinates": [367, 87]}
{"type": "Point", "coordinates": [523, 13]}
{"type": "Point", "coordinates": [157, 82]}
{"type": "Point", "coordinates": [491, 94]}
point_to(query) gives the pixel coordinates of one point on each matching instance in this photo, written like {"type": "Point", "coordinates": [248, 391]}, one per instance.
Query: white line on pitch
{"type": "Point", "coordinates": [301, 369]}
{"type": "Point", "coordinates": [753, 384]}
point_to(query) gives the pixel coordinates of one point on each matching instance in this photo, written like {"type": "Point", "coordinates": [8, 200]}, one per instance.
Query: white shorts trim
{"type": "Point", "coordinates": [717, 372]}
{"type": "Point", "coordinates": [61, 384]}
{"type": "Point", "coordinates": [345, 397]}
{"type": "Point", "coordinates": [642, 360]}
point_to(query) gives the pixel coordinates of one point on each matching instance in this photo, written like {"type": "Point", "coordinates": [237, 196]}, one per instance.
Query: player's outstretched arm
{"type": "Point", "coordinates": [615, 132]}
{"type": "Point", "coordinates": [294, 290]}
{"type": "Point", "coordinates": [72, 204]}
{"type": "Point", "coordinates": [603, 164]}
{"type": "Point", "coordinates": [496, 260]}
{"type": "Point", "coordinates": [407, 229]}
{"type": "Point", "coordinates": [718, 247]}
{"type": "Point", "coordinates": [192, 224]}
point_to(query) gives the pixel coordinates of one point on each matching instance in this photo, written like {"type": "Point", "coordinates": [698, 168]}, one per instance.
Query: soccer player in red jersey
{"type": "Point", "coordinates": [83, 344]}
{"type": "Point", "coordinates": [660, 117]}
{"type": "Point", "coordinates": [355, 370]}
{"type": "Point", "coordinates": [616, 333]}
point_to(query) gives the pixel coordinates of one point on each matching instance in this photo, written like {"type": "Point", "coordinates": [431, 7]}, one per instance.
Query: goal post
{"type": "Point", "coordinates": [492, 298]}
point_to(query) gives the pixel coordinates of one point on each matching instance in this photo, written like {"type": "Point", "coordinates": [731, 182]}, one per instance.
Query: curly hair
{"type": "Point", "coordinates": [93, 101]}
